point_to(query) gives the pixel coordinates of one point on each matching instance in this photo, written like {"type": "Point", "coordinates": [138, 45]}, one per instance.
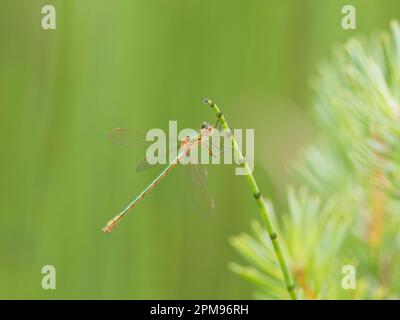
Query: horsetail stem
{"type": "Point", "coordinates": [260, 202]}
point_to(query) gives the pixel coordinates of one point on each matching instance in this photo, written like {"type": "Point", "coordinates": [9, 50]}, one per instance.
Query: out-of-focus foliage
{"type": "Point", "coordinates": [139, 64]}
{"type": "Point", "coordinates": [346, 210]}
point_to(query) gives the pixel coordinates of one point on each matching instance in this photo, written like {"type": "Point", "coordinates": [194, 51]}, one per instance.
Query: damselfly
{"type": "Point", "coordinates": [130, 138]}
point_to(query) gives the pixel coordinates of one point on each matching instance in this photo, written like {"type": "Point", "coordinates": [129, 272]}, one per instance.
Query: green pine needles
{"type": "Point", "coordinates": [342, 230]}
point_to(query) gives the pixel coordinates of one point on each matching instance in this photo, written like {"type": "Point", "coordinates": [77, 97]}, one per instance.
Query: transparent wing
{"type": "Point", "coordinates": [135, 139]}
{"type": "Point", "coordinates": [197, 175]}
{"type": "Point", "coordinates": [220, 144]}
{"type": "Point", "coordinates": [144, 165]}
{"type": "Point", "coordinates": [128, 138]}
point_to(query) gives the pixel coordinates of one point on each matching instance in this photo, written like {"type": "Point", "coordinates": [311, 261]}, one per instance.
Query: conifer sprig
{"type": "Point", "coordinates": [346, 208]}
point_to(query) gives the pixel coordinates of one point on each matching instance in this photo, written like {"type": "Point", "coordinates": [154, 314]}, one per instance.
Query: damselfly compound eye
{"type": "Point", "coordinates": [206, 125]}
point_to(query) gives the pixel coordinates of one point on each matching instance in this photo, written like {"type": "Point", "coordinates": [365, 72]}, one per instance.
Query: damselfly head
{"type": "Point", "coordinates": [206, 125]}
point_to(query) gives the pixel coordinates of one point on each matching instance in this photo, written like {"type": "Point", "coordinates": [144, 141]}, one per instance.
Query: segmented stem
{"type": "Point", "coordinates": [260, 202]}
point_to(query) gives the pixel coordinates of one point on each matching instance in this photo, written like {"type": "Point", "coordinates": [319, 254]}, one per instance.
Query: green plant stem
{"type": "Point", "coordinates": [260, 202]}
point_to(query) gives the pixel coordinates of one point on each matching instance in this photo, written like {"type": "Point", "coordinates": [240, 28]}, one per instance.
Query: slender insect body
{"type": "Point", "coordinates": [185, 148]}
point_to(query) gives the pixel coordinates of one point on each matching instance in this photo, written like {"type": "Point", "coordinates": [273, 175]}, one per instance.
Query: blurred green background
{"type": "Point", "coordinates": [139, 64]}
